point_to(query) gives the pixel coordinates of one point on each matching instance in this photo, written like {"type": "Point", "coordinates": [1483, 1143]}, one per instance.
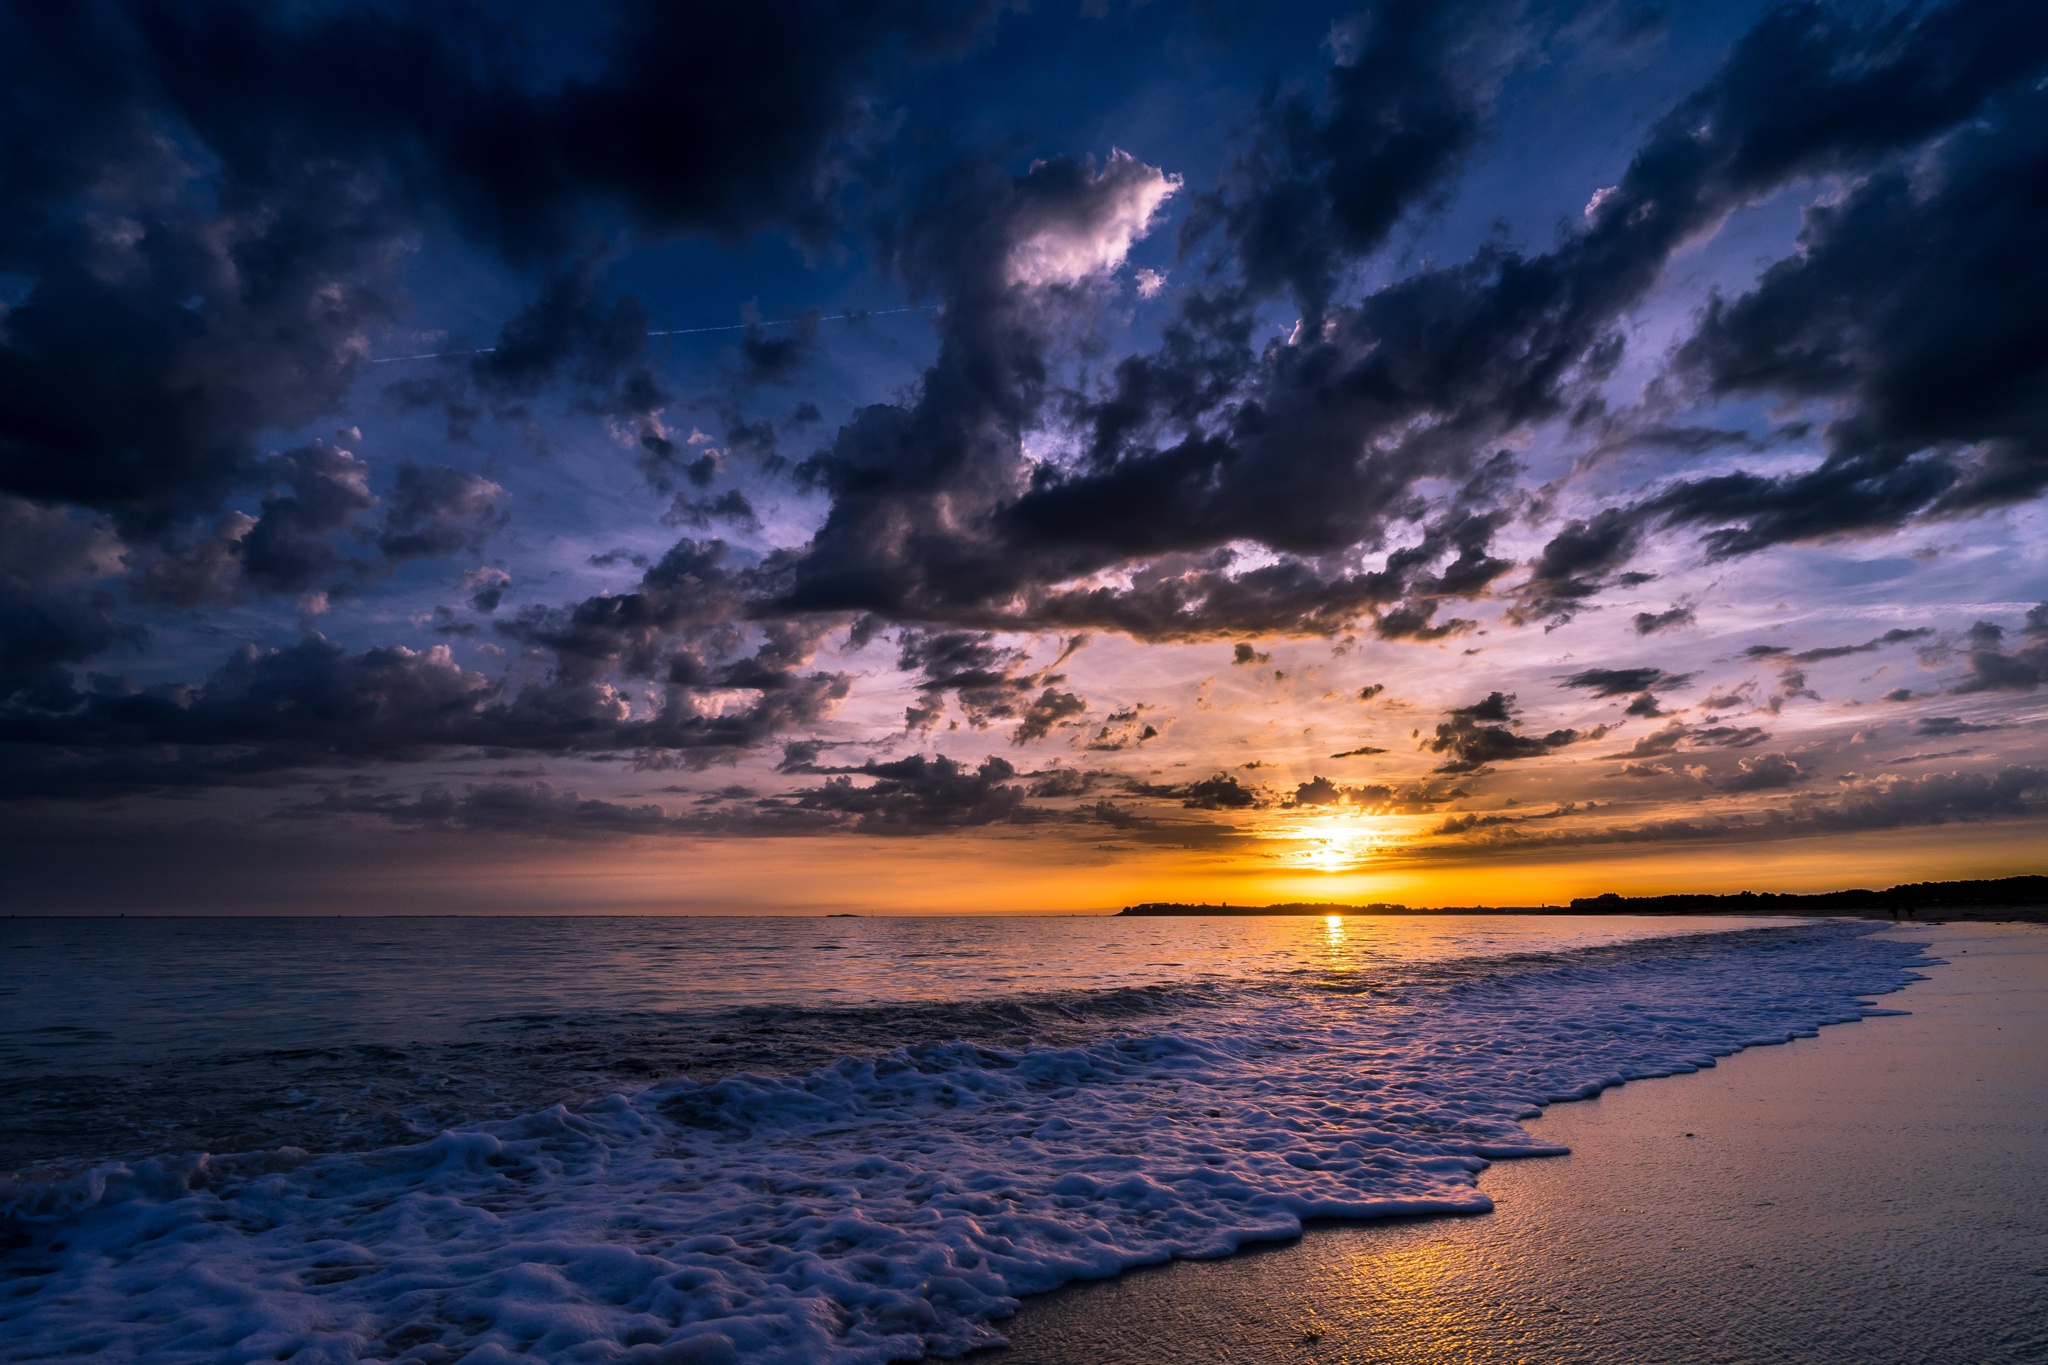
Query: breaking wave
{"type": "Point", "coordinates": [895, 1203]}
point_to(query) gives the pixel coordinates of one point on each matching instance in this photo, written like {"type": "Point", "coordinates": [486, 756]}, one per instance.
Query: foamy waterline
{"type": "Point", "coordinates": [891, 1205]}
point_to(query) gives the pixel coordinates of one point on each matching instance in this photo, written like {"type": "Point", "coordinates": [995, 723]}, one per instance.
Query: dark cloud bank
{"type": "Point", "coordinates": [210, 208]}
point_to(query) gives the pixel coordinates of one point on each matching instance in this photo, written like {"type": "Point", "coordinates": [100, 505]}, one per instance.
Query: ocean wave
{"type": "Point", "coordinates": [896, 1203]}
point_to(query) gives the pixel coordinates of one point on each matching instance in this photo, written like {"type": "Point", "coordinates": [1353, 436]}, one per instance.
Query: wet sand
{"type": "Point", "coordinates": [1876, 1194]}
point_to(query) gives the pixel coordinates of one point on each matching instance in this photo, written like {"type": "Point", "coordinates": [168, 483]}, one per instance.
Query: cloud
{"type": "Point", "coordinates": [1087, 224]}
{"type": "Point", "coordinates": [990, 681]}
{"type": "Point", "coordinates": [1677, 735]}
{"type": "Point", "coordinates": [1950, 725]}
{"type": "Point", "coordinates": [1888, 801]}
{"type": "Point", "coordinates": [218, 207]}
{"type": "Point", "coordinates": [54, 609]}
{"type": "Point", "coordinates": [1220, 792]}
{"type": "Point", "coordinates": [504, 808]}
{"type": "Point", "coordinates": [1479, 734]}
{"type": "Point", "coordinates": [1994, 668]}
{"type": "Point", "coordinates": [314, 705]}
{"type": "Point", "coordinates": [1616, 682]}
{"type": "Point", "coordinates": [1328, 178]}
{"type": "Point", "coordinates": [1649, 623]}
{"type": "Point", "coordinates": [212, 208]}
{"type": "Point", "coordinates": [915, 795]}
{"type": "Point", "coordinates": [291, 546]}
{"type": "Point", "coordinates": [1125, 729]}
{"type": "Point", "coordinates": [1574, 564]}
{"type": "Point", "coordinates": [437, 510]}
{"type": "Point", "coordinates": [1051, 709]}
{"type": "Point", "coordinates": [921, 795]}
{"type": "Point", "coordinates": [1913, 309]}
{"type": "Point", "coordinates": [486, 587]}
{"type": "Point", "coordinates": [1312, 449]}
{"type": "Point", "coordinates": [1764, 772]}
{"type": "Point", "coordinates": [774, 355]}
{"type": "Point", "coordinates": [1813, 656]}
{"type": "Point", "coordinates": [1370, 798]}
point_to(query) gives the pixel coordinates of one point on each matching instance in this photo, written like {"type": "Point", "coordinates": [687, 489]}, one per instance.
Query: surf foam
{"type": "Point", "coordinates": [895, 1205]}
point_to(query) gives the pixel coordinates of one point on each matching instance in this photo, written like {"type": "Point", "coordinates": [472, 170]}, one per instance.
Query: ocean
{"type": "Point", "coordinates": [780, 1139]}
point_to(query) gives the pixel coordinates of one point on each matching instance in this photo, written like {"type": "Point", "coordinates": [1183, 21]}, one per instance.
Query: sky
{"type": "Point", "coordinates": [920, 457]}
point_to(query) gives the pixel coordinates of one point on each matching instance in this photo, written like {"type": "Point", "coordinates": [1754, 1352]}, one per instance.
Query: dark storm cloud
{"type": "Point", "coordinates": [1764, 772]}
{"type": "Point", "coordinates": [207, 212]}
{"type": "Point", "coordinates": [919, 794]}
{"type": "Point", "coordinates": [904, 478]}
{"type": "Point", "coordinates": [772, 354]}
{"type": "Point", "coordinates": [1224, 481]}
{"type": "Point", "coordinates": [291, 546]}
{"type": "Point", "coordinates": [1942, 726]}
{"type": "Point", "coordinates": [502, 807]}
{"type": "Point", "coordinates": [486, 587]}
{"type": "Point", "coordinates": [913, 796]}
{"type": "Point", "coordinates": [681, 623]}
{"type": "Point", "coordinates": [1221, 792]}
{"type": "Point", "coordinates": [1887, 802]}
{"type": "Point", "coordinates": [573, 328]}
{"type": "Point", "coordinates": [1373, 798]}
{"type": "Point", "coordinates": [1328, 177]}
{"type": "Point", "coordinates": [208, 204]}
{"type": "Point", "coordinates": [53, 610]}
{"type": "Point", "coordinates": [1916, 307]}
{"type": "Point", "coordinates": [1866, 86]}
{"type": "Point", "coordinates": [1616, 682]}
{"type": "Point", "coordinates": [1575, 563]}
{"type": "Point", "coordinates": [991, 681]}
{"type": "Point", "coordinates": [1052, 709]}
{"type": "Point", "coordinates": [304, 534]}
{"type": "Point", "coordinates": [1313, 448]}
{"type": "Point", "coordinates": [732, 507]}
{"type": "Point", "coordinates": [1677, 735]}
{"type": "Point", "coordinates": [214, 203]}
{"type": "Point", "coordinates": [1181, 595]}
{"type": "Point", "coordinates": [1995, 668]}
{"type": "Point", "coordinates": [437, 510]}
{"type": "Point", "coordinates": [1649, 623]}
{"type": "Point", "coordinates": [1481, 733]}
{"type": "Point", "coordinates": [1890, 637]}
{"type": "Point", "coordinates": [1125, 729]}
{"type": "Point", "coordinates": [313, 704]}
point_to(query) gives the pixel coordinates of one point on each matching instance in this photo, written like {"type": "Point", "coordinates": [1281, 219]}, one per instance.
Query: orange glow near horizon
{"type": "Point", "coordinates": [1020, 874]}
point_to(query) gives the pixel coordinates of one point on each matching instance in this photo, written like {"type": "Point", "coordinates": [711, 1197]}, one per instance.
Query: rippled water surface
{"type": "Point", "coordinates": [125, 1037]}
{"type": "Point", "coordinates": [790, 1141]}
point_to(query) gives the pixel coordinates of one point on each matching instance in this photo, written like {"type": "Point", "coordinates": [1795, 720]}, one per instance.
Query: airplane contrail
{"type": "Point", "coordinates": [675, 332]}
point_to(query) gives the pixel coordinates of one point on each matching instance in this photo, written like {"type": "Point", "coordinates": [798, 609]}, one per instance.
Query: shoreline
{"type": "Point", "coordinates": [1873, 1193]}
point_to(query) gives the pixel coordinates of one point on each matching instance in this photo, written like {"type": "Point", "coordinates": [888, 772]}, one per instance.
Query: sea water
{"type": "Point", "coordinates": [779, 1139]}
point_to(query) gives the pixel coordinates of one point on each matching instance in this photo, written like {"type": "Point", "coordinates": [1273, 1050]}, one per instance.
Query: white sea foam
{"type": "Point", "coordinates": [894, 1205]}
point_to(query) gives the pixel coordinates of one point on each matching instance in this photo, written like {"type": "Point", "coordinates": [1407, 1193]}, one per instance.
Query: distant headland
{"type": "Point", "coordinates": [2007, 898]}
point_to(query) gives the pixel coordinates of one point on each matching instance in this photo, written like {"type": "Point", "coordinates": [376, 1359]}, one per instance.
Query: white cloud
{"type": "Point", "coordinates": [1092, 233]}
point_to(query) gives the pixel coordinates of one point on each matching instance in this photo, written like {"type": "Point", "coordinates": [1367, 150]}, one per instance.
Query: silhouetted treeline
{"type": "Point", "coordinates": [2005, 892]}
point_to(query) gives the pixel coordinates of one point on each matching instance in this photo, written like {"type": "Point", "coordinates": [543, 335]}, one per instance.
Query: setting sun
{"type": "Point", "coordinates": [1338, 843]}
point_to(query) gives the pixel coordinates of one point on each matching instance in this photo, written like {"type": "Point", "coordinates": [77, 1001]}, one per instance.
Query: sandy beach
{"type": "Point", "coordinates": [1877, 1193]}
